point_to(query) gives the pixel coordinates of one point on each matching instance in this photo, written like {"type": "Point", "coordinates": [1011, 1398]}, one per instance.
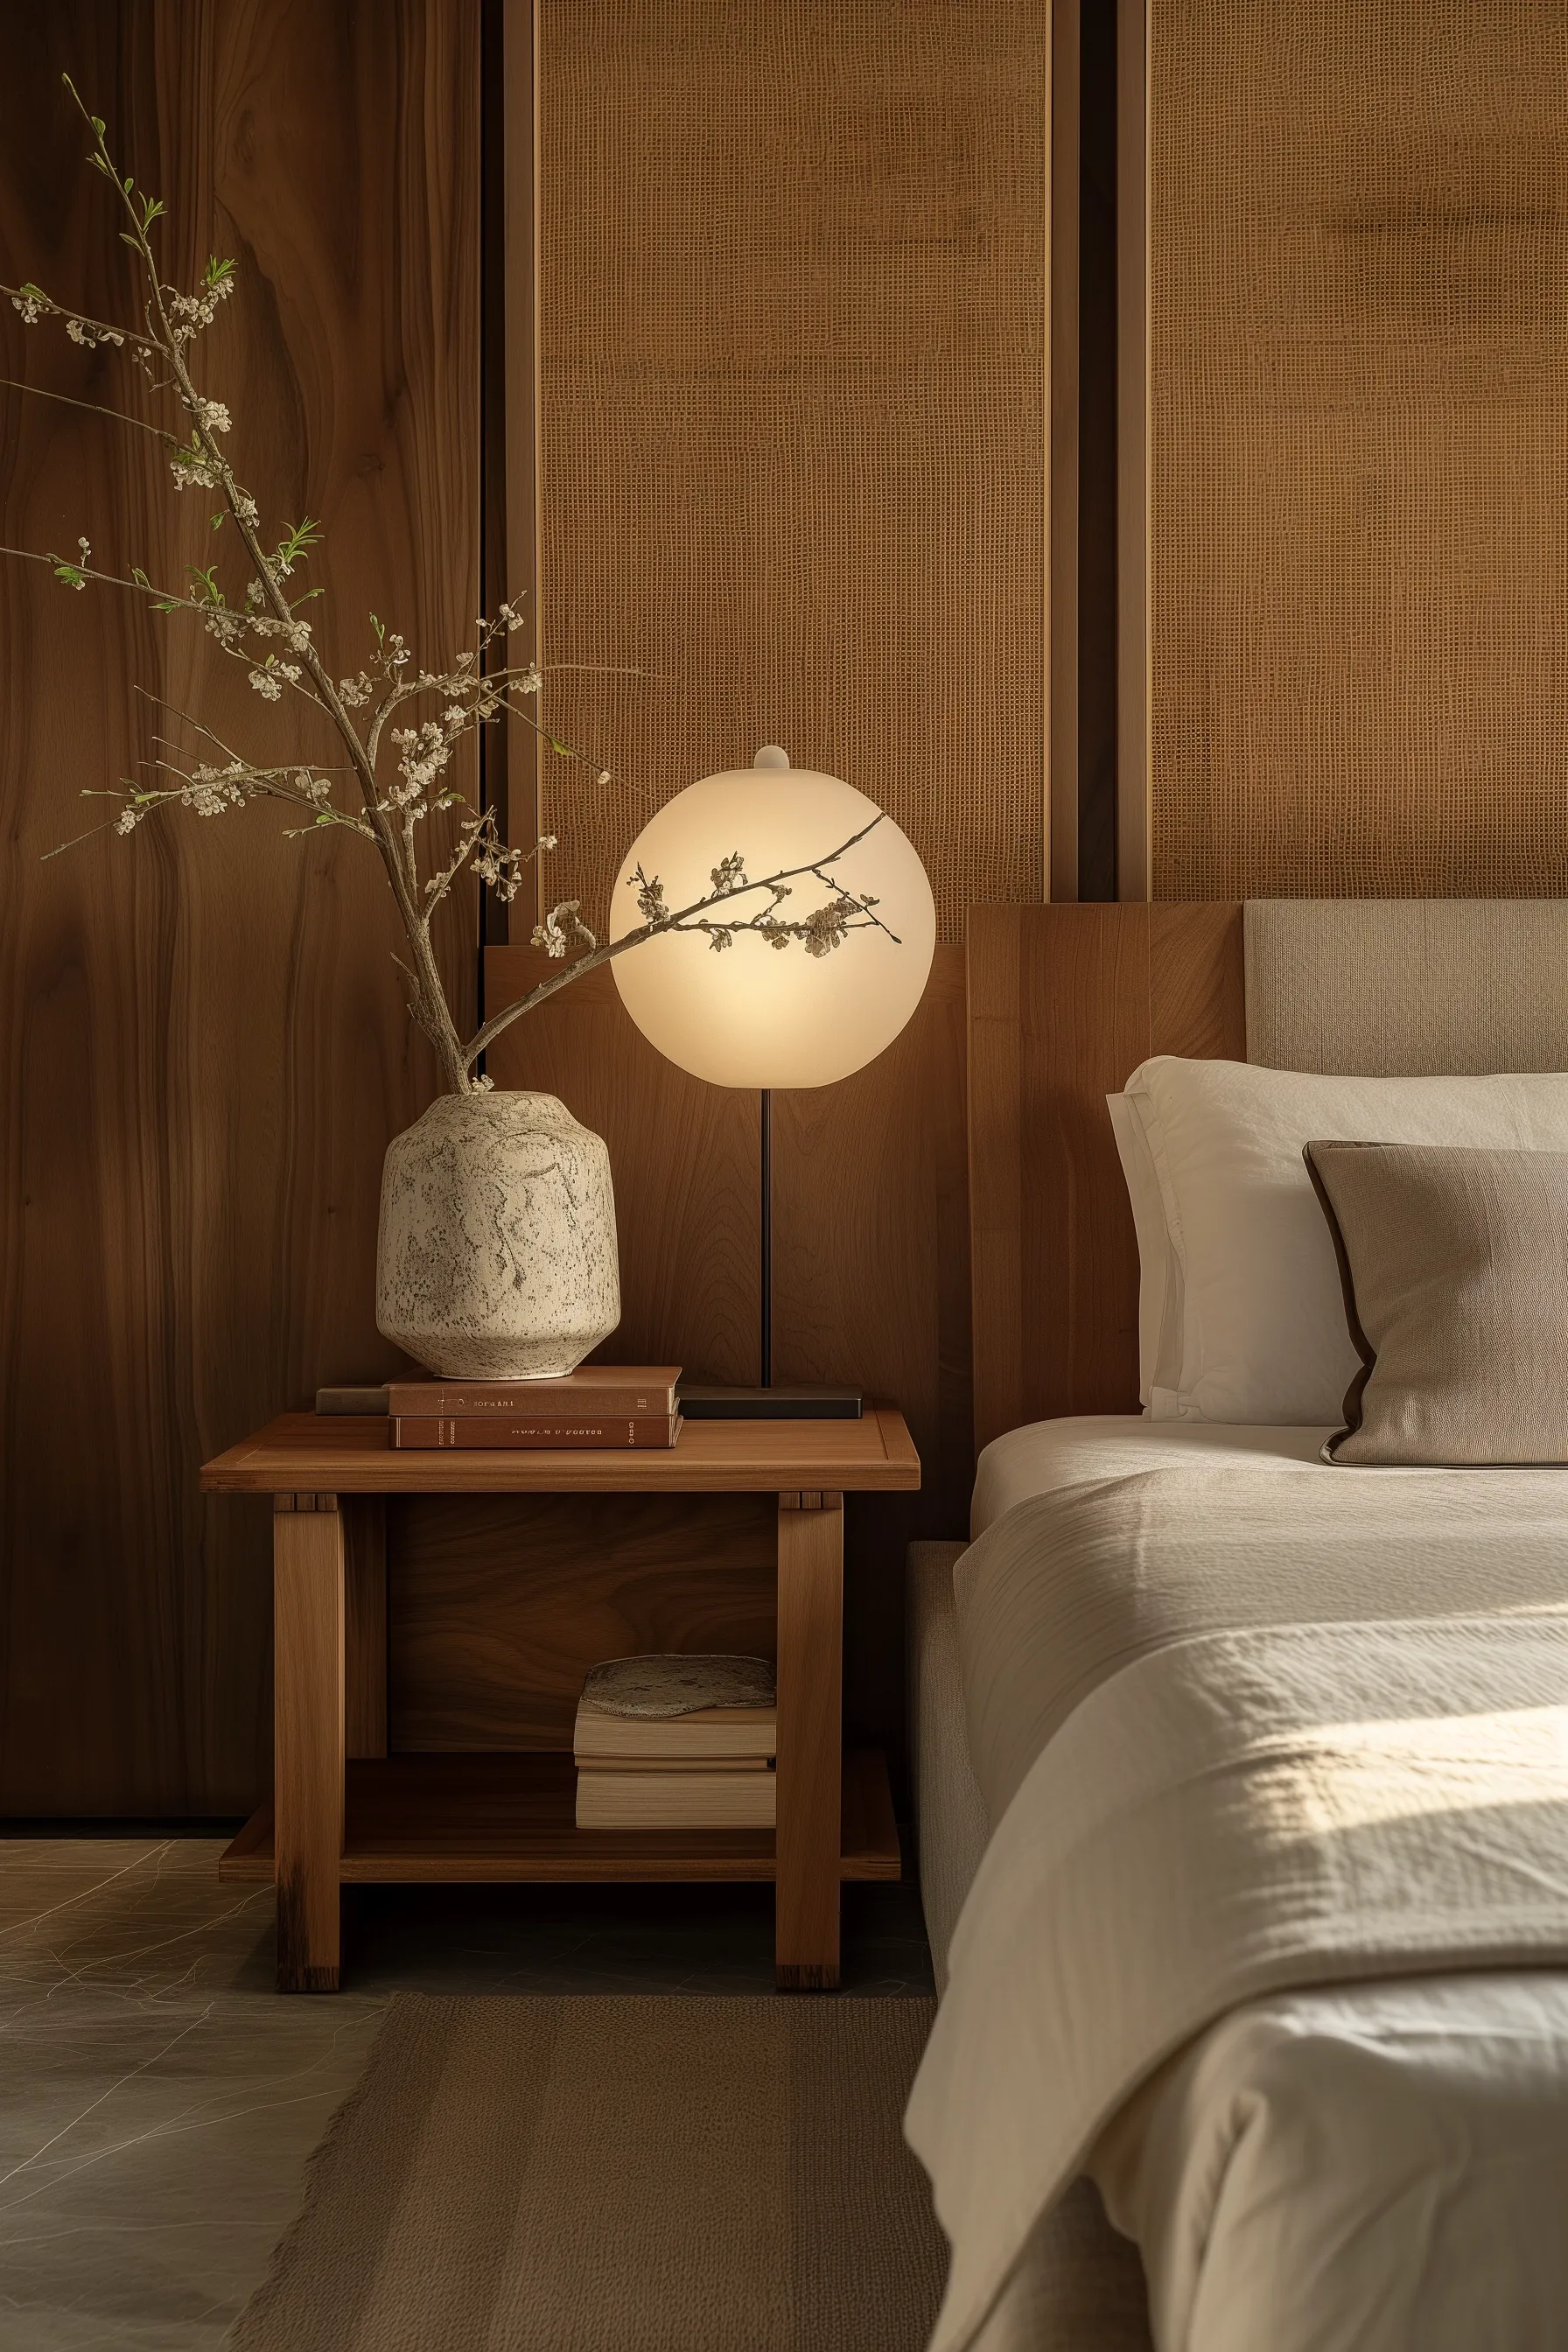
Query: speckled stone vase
{"type": "Point", "coordinates": [497, 1252]}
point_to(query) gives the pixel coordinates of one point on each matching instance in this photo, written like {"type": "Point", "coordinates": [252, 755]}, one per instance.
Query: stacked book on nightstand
{"type": "Point", "coordinates": [665, 1743]}
{"type": "Point", "coordinates": [598, 1405]}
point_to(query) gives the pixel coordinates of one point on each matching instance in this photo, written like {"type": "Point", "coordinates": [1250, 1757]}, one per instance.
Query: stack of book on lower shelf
{"type": "Point", "coordinates": [598, 1405]}
{"type": "Point", "coordinates": [677, 1743]}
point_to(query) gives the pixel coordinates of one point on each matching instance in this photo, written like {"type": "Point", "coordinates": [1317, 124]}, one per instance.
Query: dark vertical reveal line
{"type": "Point", "coordinates": [494, 926]}
{"type": "Point", "coordinates": [517, 411]}
{"type": "Point", "coordinates": [767, 1238]}
{"type": "Point", "coordinates": [1132, 814]}
{"type": "Point", "coordinates": [1097, 466]}
{"type": "Point", "coordinates": [1062, 659]}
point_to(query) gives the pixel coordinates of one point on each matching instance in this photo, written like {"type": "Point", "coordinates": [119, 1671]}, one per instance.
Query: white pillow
{"type": "Point", "coordinates": [1253, 1326]}
{"type": "Point", "coordinates": [1159, 1282]}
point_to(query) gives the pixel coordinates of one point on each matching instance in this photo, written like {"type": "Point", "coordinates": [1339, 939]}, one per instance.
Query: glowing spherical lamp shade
{"type": "Point", "coordinates": [757, 1014]}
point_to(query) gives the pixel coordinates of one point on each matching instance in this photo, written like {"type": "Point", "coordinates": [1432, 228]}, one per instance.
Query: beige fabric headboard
{"type": "Point", "coordinates": [1408, 987]}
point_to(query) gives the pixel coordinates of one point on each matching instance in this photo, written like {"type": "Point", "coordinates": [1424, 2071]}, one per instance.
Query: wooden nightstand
{"type": "Point", "coordinates": [345, 1811]}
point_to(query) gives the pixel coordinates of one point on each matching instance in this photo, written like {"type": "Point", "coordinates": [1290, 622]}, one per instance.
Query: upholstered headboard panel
{"type": "Point", "coordinates": [1065, 1002]}
{"type": "Point", "coordinates": [1406, 987]}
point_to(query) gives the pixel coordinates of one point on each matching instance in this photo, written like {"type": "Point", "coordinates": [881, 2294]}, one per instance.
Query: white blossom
{"type": "Point", "coordinates": [128, 820]}
{"type": "Point", "coordinates": [210, 791]}
{"type": "Point", "coordinates": [192, 472]}
{"type": "Point", "coordinates": [31, 308]}
{"type": "Point", "coordinates": [425, 751]}
{"type": "Point", "coordinates": [213, 414]}
{"type": "Point", "coordinates": [355, 691]}
{"type": "Point", "coordinates": [267, 684]}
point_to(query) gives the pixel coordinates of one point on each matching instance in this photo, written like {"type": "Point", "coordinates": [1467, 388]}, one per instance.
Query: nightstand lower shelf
{"type": "Point", "coordinates": [491, 1818]}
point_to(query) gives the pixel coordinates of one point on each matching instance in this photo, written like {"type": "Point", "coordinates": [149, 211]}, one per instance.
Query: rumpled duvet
{"type": "Point", "coordinates": [1230, 1814]}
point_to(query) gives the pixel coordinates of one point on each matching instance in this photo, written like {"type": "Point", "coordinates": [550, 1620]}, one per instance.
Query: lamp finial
{"type": "Point", "coordinates": [771, 756]}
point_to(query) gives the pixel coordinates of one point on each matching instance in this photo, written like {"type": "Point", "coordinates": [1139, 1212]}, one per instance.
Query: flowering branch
{"type": "Point", "coordinates": [386, 801]}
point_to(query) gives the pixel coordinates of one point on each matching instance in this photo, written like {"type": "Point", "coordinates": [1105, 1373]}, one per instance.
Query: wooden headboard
{"type": "Point", "coordinates": [1063, 1002]}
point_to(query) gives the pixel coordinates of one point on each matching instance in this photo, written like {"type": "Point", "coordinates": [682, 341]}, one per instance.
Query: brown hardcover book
{"type": "Point", "coordinates": [677, 1800]}
{"type": "Point", "coordinates": [510, 1433]}
{"type": "Point", "coordinates": [723, 1735]}
{"type": "Point", "coordinates": [593, 1391]}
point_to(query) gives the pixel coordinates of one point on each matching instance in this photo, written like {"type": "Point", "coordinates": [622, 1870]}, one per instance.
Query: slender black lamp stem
{"type": "Point", "coordinates": [767, 1232]}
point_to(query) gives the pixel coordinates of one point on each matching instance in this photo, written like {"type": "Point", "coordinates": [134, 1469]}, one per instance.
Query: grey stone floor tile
{"type": "Point", "coordinates": [158, 2099]}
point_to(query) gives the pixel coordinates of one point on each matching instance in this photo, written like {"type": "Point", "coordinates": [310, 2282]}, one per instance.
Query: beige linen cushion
{"type": "Point", "coordinates": [1455, 1266]}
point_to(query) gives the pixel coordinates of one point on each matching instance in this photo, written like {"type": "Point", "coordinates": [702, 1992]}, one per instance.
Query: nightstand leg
{"type": "Point", "coordinates": [810, 1739]}
{"type": "Point", "coordinates": [308, 1738]}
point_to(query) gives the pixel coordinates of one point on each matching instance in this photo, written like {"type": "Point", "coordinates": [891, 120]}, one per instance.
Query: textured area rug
{"type": "Point", "coordinates": [616, 2175]}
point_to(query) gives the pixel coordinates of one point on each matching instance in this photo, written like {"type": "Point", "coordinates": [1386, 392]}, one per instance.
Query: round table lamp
{"type": "Point", "coordinates": [762, 1015]}
{"type": "Point", "coordinates": [759, 1015]}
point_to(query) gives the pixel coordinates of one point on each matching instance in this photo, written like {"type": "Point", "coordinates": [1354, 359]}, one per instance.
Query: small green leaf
{"type": "Point", "coordinates": [140, 576]}
{"type": "Point", "coordinates": [218, 519]}
{"type": "Point", "coordinates": [69, 574]}
{"type": "Point", "coordinates": [98, 123]}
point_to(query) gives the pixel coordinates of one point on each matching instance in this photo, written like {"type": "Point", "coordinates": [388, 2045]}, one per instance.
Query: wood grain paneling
{"type": "Point", "coordinates": [205, 1049]}
{"type": "Point", "coordinates": [684, 1157]}
{"type": "Point", "coordinates": [795, 262]}
{"type": "Point", "coordinates": [871, 1250]}
{"type": "Point", "coordinates": [1063, 1002]}
{"type": "Point", "coordinates": [1358, 451]}
{"type": "Point", "coordinates": [500, 1606]}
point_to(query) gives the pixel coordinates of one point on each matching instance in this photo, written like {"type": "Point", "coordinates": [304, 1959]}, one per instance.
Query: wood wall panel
{"type": "Point", "coordinates": [498, 1606]}
{"type": "Point", "coordinates": [205, 1049]}
{"type": "Point", "coordinates": [1358, 453]}
{"type": "Point", "coordinates": [870, 1249]}
{"type": "Point", "coordinates": [1063, 1002]}
{"type": "Point", "coordinates": [794, 361]}
{"type": "Point", "coordinates": [684, 1157]}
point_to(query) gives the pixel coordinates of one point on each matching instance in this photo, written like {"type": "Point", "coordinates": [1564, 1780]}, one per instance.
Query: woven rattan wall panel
{"type": "Point", "coordinates": [793, 300]}
{"type": "Point", "coordinates": [1359, 449]}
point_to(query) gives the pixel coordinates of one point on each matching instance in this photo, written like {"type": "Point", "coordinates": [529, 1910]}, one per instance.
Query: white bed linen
{"type": "Point", "coordinates": [1234, 1815]}
{"type": "Point", "coordinates": [1398, 2149]}
{"type": "Point", "coordinates": [1439, 2093]}
{"type": "Point", "coordinates": [1101, 1538]}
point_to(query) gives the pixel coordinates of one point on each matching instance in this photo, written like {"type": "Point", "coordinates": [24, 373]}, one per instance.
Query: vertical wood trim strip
{"type": "Point", "coordinates": [1061, 494]}
{"type": "Point", "coordinates": [1134, 784]}
{"type": "Point", "coordinates": [1085, 1027]}
{"type": "Point", "coordinates": [996, 1169]}
{"type": "Point", "coordinates": [364, 1623]}
{"type": "Point", "coordinates": [521, 296]}
{"type": "Point", "coordinates": [308, 1743]}
{"type": "Point", "coordinates": [810, 1743]}
{"type": "Point", "coordinates": [1063, 1002]}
